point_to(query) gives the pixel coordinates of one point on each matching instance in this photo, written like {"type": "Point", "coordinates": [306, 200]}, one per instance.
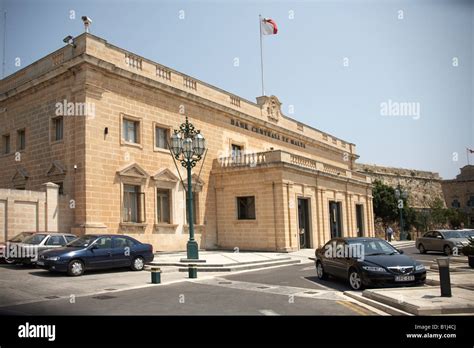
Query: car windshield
{"type": "Point", "coordinates": [468, 233]}
{"type": "Point", "coordinates": [34, 239]}
{"type": "Point", "coordinates": [20, 237]}
{"type": "Point", "coordinates": [453, 234]}
{"type": "Point", "coordinates": [82, 242]}
{"type": "Point", "coordinates": [373, 247]}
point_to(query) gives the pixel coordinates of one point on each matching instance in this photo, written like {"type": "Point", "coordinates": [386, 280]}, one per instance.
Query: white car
{"type": "Point", "coordinates": [29, 250]}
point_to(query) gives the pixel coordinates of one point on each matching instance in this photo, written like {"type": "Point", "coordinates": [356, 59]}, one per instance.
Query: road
{"type": "Point", "coordinates": [290, 290]}
{"type": "Point", "coordinates": [426, 259]}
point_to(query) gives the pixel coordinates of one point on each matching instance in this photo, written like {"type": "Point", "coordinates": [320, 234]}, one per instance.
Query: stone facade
{"type": "Point", "coordinates": [459, 192]}
{"type": "Point", "coordinates": [117, 177]}
{"type": "Point", "coordinates": [423, 187]}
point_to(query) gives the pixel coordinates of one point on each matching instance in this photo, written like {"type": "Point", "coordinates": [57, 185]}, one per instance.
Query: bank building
{"type": "Point", "coordinates": [95, 120]}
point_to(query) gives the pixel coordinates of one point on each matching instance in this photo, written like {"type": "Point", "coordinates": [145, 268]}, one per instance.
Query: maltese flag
{"type": "Point", "coordinates": [269, 27]}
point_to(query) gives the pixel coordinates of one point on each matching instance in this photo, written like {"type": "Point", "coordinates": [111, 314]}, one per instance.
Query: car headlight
{"type": "Point", "coordinates": [374, 269]}
{"type": "Point", "coordinates": [420, 267]}
{"type": "Point", "coordinates": [53, 258]}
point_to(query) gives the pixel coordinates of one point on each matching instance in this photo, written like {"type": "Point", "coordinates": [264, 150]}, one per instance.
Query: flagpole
{"type": "Point", "coordinates": [467, 155]}
{"type": "Point", "coordinates": [4, 42]}
{"type": "Point", "coordinates": [261, 52]}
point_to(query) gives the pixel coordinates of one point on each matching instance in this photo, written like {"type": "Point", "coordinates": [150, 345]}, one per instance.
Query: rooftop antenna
{"type": "Point", "coordinates": [87, 22]}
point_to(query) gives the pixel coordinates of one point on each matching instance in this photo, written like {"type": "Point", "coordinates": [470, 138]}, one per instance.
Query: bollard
{"type": "Point", "coordinates": [155, 275]}
{"type": "Point", "coordinates": [444, 278]}
{"type": "Point", "coordinates": [192, 271]}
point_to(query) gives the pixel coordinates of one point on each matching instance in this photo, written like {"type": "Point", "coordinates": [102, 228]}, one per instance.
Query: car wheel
{"type": "Point", "coordinates": [75, 268]}
{"type": "Point", "coordinates": [320, 271]}
{"type": "Point", "coordinates": [447, 250]}
{"type": "Point", "coordinates": [138, 264]}
{"type": "Point", "coordinates": [355, 280]}
{"type": "Point", "coordinates": [422, 249]}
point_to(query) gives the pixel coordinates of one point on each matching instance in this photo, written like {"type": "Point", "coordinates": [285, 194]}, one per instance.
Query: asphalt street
{"type": "Point", "coordinates": [426, 259]}
{"type": "Point", "coordinates": [291, 290]}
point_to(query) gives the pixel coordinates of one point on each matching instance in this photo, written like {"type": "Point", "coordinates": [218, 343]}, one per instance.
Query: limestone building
{"type": "Point", "coordinates": [95, 120]}
{"type": "Point", "coordinates": [459, 192]}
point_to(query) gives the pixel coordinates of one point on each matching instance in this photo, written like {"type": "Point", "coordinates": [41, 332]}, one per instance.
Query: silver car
{"type": "Point", "coordinates": [442, 240]}
{"type": "Point", "coordinates": [28, 251]}
{"type": "Point", "coordinates": [469, 233]}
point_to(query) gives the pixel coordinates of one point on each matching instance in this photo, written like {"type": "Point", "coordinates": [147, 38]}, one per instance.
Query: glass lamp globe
{"type": "Point", "coordinates": [176, 145]}
{"type": "Point", "coordinates": [188, 148]}
{"type": "Point", "coordinates": [199, 144]}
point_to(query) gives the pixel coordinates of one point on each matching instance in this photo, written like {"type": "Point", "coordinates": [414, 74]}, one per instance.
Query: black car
{"type": "Point", "coordinates": [367, 262]}
{"type": "Point", "coordinates": [97, 252]}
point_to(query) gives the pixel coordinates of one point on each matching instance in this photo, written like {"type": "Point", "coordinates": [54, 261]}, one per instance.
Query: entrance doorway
{"type": "Point", "coordinates": [335, 221]}
{"type": "Point", "coordinates": [303, 222]}
{"type": "Point", "coordinates": [360, 220]}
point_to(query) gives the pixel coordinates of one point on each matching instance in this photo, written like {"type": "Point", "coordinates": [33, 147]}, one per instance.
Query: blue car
{"type": "Point", "coordinates": [97, 252]}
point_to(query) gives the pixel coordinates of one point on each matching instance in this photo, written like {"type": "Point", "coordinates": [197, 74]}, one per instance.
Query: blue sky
{"type": "Point", "coordinates": [392, 56]}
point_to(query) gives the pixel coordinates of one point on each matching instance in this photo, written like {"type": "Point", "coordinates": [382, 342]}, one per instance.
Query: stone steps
{"type": "Point", "coordinates": [230, 267]}
{"type": "Point", "coordinates": [243, 267]}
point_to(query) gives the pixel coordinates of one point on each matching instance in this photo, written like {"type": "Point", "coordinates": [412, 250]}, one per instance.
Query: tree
{"type": "Point", "coordinates": [456, 218]}
{"type": "Point", "coordinates": [438, 213]}
{"type": "Point", "coordinates": [385, 203]}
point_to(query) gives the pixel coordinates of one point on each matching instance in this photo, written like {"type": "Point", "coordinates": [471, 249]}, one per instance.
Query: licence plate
{"type": "Point", "coordinates": [404, 278]}
{"type": "Point", "coordinates": [40, 263]}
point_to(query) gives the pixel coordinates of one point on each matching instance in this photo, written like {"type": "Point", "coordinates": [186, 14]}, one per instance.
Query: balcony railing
{"type": "Point", "coordinates": [241, 159]}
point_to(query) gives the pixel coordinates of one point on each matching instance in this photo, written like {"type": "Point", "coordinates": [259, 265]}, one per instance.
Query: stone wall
{"type": "Point", "coordinates": [423, 187]}
{"type": "Point", "coordinates": [24, 210]}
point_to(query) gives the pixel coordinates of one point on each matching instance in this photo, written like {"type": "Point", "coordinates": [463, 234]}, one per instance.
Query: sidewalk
{"type": "Point", "coordinates": [228, 261]}
{"type": "Point", "coordinates": [402, 243]}
{"type": "Point", "coordinates": [461, 275]}
{"type": "Point", "coordinates": [425, 300]}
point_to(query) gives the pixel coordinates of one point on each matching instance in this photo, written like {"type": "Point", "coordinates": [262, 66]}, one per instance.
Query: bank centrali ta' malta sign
{"type": "Point", "coordinates": [267, 133]}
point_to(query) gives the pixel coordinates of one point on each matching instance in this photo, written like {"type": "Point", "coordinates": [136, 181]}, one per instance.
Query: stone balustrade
{"type": "Point", "coordinates": [278, 156]}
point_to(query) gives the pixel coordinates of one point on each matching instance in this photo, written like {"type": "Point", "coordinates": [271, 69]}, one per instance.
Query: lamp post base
{"type": "Point", "coordinates": [192, 252]}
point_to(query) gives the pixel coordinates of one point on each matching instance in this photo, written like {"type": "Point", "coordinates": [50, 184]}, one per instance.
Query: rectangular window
{"type": "Point", "coordinates": [6, 143]}
{"type": "Point", "coordinates": [246, 208]}
{"type": "Point", "coordinates": [21, 139]}
{"type": "Point", "coordinates": [236, 150]}
{"type": "Point", "coordinates": [195, 204]}
{"type": "Point", "coordinates": [58, 125]}
{"type": "Point", "coordinates": [470, 202]}
{"type": "Point", "coordinates": [133, 204]}
{"type": "Point", "coordinates": [130, 131]}
{"type": "Point", "coordinates": [163, 206]}
{"type": "Point", "coordinates": [161, 137]}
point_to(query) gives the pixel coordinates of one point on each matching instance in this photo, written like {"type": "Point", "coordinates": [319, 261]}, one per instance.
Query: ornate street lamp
{"type": "Point", "coordinates": [401, 195]}
{"type": "Point", "coordinates": [187, 146]}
